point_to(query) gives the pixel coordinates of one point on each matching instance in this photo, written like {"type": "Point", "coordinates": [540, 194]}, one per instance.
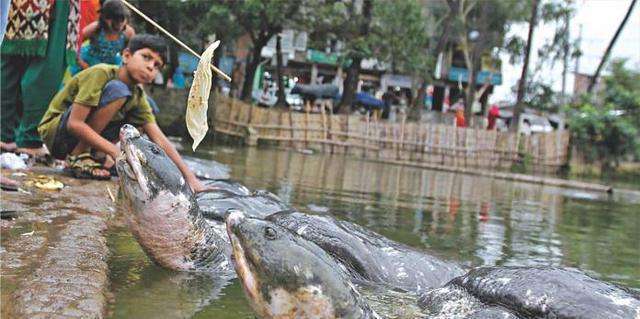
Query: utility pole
{"type": "Point", "coordinates": [565, 53]}
{"type": "Point", "coordinates": [576, 68]}
{"type": "Point", "coordinates": [592, 83]}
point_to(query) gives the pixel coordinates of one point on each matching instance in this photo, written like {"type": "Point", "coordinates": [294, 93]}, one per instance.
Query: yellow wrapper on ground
{"type": "Point", "coordinates": [198, 102]}
{"type": "Point", "coordinates": [45, 182]}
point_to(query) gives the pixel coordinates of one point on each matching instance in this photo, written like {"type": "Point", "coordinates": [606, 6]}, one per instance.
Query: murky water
{"type": "Point", "coordinates": [474, 220]}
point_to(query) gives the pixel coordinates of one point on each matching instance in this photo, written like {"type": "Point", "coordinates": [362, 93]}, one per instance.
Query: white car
{"type": "Point", "coordinates": [531, 123]}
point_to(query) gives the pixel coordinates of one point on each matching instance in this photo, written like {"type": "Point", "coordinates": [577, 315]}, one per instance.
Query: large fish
{"type": "Point", "coordinates": [162, 214]}
{"type": "Point", "coordinates": [177, 229]}
{"type": "Point", "coordinates": [370, 256]}
{"type": "Point", "coordinates": [285, 276]}
{"type": "Point", "coordinates": [533, 292]}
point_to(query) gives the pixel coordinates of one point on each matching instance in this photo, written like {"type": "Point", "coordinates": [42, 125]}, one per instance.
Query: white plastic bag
{"type": "Point", "coordinates": [198, 102]}
{"type": "Point", "coordinates": [12, 161]}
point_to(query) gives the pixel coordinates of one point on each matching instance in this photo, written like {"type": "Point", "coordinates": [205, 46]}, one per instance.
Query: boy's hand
{"type": "Point", "coordinates": [197, 186]}
{"type": "Point", "coordinates": [108, 162]}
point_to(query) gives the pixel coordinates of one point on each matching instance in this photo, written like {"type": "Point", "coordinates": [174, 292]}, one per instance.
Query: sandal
{"type": "Point", "coordinates": [83, 166]}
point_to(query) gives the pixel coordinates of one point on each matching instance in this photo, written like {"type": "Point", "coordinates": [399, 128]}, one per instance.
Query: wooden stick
{"type": "Point", "coordinates": [134, 9]}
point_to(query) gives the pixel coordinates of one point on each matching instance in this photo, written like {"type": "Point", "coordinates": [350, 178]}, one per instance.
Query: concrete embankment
{"type": "Point", "coordinates": [54, 250]}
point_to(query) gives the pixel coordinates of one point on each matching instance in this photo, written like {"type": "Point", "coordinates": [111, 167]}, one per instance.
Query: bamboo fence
{"type": "Point", "coordinates": [401, 142]}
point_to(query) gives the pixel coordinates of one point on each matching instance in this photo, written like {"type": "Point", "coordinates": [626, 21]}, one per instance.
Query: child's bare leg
{"type": "Point", "coordinates": [97, 121]}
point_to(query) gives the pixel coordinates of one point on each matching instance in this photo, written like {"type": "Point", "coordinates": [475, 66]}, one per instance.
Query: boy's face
{"type": "Point", "coordinates": [143, 65]}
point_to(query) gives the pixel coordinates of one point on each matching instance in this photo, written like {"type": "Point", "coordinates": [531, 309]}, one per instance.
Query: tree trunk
{"type": "Point", "coordinates": [470, 92]}
{"type": "Point", "coordinates": [250, 71]}
{"type": "Point", "coordinates": [353, 73]}
{"type": "Point", "coordinates": [282, 98]}
{"type": "Point", "coordinates": [523, 78]}
{"type": "Point", "coordinates": [442, 41]}
{"type": "Point", "coordinates": [592, 83]}
{"type": "Point", "coordinates": [217, 56]}
{"type": "Point", "coordinates": [350, 85]}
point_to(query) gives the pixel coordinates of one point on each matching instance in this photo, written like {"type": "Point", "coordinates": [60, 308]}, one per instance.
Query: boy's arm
{"type": "Point", "coordinates": [86, 132]}
{"type": "Point", "coordinates": [156, 135]}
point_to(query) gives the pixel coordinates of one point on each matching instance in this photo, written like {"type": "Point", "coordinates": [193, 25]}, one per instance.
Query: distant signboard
{"type": "Point", "coordinates": [403, 81]}
{"type": "Point", "coordinates": [461, 74]}
{"type": "Point", "coordinates": [321, 57]}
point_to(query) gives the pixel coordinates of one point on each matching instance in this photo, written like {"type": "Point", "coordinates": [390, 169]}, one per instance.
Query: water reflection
{"type": "Point", "coordinates": [144, 290]}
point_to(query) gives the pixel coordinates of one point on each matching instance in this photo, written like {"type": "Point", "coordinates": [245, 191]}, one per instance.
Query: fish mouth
{"type": "Point", "coordinates": [241, 263]}
{"type": "Point", "coordinates": [131, 159]}
{"type": "Point", "coordinates": [124, 167]}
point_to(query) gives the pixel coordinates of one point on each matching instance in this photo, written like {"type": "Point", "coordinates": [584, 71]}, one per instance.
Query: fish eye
{"type": "Point", "coordinates": [155, 149]}
{"type": "Point", "coordinates": [270, 233]}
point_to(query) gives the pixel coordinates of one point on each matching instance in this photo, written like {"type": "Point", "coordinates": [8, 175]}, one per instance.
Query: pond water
{"type": "Point", "coordinates": [474, 220]}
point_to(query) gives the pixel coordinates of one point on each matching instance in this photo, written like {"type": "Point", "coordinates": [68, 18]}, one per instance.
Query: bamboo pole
{"type": "Point", "coordinates": [134, 9]}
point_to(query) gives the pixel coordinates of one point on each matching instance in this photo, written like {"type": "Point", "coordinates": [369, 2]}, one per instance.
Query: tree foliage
{"type": "Point", "coordinates": [400, 31]}
{"type": "Point", "coordinates": [260, 20]}
{"type": "Point", "coordinates": [607, 133]}
{"type": "Point", "coordinates": [490, 20]}
{"type": "Point", "coordinates": [539, 93]}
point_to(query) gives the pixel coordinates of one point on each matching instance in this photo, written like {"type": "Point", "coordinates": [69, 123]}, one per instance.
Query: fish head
{"type": "Point", "coordinates": [145, 170]}
{"type": "Point", "coordinates": [286, 276]}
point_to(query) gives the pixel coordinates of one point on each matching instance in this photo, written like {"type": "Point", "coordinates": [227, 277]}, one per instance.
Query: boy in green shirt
{"type": "Point", "coordinates": [89, 111]}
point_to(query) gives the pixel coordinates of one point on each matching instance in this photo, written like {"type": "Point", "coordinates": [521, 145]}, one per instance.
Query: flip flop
{"type": "Point", "coordinates": [83, 166]}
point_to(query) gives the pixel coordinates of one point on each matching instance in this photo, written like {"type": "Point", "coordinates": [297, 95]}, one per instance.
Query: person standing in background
{"type": "Point", "coordinates": [89, 12]}
{"type": "Point", "coordinates": [40, 40]}
{"type": "Point", "coordinates": [108, 37]}
{"type": "Point", "coordinates": [492, 117]}
{"type": "Point", "coordinates": [460, 120]}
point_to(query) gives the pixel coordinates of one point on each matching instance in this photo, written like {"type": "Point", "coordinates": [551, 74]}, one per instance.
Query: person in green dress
{"type": "Point", "coordinates": [40, 39]}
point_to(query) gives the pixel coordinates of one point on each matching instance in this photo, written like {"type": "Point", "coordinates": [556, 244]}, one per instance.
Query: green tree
{"type": "Point", "coordinates": [622, 89]}
{"type": "Point", "coordinates": [480, 26]}
{"type": "Point", "coordinates": [425, 30]}
{"type": "Point", "coordinates": [394, 18]}
{"type": "Point", "coordinates": [348, 23]}
{"type": "Point", "coordinates": [260, 20]}
{"type": "Point", "coordinates": [538, 92]}
{"type": "Point", "coordinates": [608, 133]}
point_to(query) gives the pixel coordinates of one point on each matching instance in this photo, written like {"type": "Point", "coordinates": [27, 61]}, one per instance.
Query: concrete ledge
{"type": "Point", "coordinates": [54, 250]}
